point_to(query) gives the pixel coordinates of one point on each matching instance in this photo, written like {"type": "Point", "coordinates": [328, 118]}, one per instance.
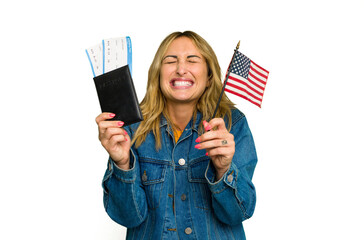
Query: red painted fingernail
{"type": "Point", "coordinates": [205, 124]}
{"type": "Point", "coordinates": [208, 128]}
{"type": "Point", "coordinates": [198, 140]}
{"type": "Point", "coordinates": [207, 154]}
{"type": "Point", "coordinates": [120, 123]}
{"type": "Point", "coordinates": [112, 115]}
{"type": "Point", "coordinates": [125, 132]}
{"type": "Point", "coordinates": [198, 146]}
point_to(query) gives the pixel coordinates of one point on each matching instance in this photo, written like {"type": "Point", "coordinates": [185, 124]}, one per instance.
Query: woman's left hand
{"type": "Point", "coordinates": [219, 145]}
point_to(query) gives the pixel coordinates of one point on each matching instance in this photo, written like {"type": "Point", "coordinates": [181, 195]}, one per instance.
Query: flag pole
{"type": "Point", "coordinates": [226, 78]}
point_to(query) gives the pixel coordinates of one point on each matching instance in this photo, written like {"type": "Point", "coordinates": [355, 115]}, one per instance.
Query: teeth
{"type": "Point", "coordinates": [182, 83]}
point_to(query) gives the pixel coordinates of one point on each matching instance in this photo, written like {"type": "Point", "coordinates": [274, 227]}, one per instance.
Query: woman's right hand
{"type": "Point", "coordinates": [114, 139]}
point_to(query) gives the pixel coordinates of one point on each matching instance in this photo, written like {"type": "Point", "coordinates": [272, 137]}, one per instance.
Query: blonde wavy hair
{"type": "Point", "coordinates": [154, 103]}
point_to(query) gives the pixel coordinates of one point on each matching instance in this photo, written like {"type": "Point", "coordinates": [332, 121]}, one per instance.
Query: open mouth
{"type": "Point", "coordinates": [179, 83]}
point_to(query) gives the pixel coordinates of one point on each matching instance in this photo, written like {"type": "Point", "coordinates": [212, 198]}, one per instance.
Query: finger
{"type": "Point", "coordinates": [104, 116]}
{"type": "Point", "coordinates": [214, 144]}
{"type": "Point", "coordinates": [221, 151]}
{"type": "Point", "coordinates": [110, 132]}
{"type": "Point", "coordinates": [110, 124]}
{"type": "Point", "coordinates": [104, 125]}
{"type": "Point", "coordinates": [117, 139]}
{"type": "Point", "coordinates": [211, 135]}
{"type": "Point", "coordinates": [219, 123]}
{"type": "Point", "coordinates": [206, 125]}
{"type": "Point", "coordinates": [112, 142]}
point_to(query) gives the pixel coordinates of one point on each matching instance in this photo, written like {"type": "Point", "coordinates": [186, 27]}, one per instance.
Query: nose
{"type": "Point", "coordinates": [181, 68]}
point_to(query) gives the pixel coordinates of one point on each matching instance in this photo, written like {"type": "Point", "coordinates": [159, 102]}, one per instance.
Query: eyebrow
{"type": "Point", "coordinates": [192, 56]}
{"type": "Point", "coordinates": [174, 56]}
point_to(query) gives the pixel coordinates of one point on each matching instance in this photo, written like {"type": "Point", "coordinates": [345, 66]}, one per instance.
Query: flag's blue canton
{"type": "Point", "coordinates": [241, 65]}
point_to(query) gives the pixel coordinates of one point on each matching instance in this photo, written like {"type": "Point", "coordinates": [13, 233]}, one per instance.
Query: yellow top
{"type": "Point", "coordinates": [177, 134]}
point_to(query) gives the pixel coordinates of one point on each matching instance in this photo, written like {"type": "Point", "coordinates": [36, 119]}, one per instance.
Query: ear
{"type": "Point", "coordinates": [208, 84]}
{"type": "Point", "coordinates": [209, 81]}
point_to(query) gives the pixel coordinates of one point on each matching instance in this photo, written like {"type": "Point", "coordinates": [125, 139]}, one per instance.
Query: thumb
{"type": "Point", "coordinates": [218, 123]}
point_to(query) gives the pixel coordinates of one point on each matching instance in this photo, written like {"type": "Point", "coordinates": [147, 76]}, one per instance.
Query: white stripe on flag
{"type": "Point", "coordinates": [255, 75]}
{"type": "Point", "coordinates": [239, 92]}
{"type": "Point", "coordinates": [259, 69]}
{"type": "Point", "coordinates": [246, 81]}
{"type": "Point", "coordinates": [252, 95]}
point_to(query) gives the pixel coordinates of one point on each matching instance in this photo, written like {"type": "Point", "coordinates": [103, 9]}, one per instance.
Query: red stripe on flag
{"type": "Point", "coordinates": [255, 78]}
{"type": "Point", "coordinates": [242, 96]}
{"type": "Point", "coordinates": [249, 80]}
{"type": "Point", "coordinates": [257, 72]}
{"type": "Point", "coordinates": [247, 85]}
{"type": "Point", "coordinates": [255, 84]}
{"type": "Point", "coordinates": [260, 67]}
{"type": "Point", "coordinates": [243, 90]}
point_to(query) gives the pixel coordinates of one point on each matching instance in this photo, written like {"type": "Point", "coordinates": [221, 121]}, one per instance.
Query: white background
{"type": "Point", "coordinates": [308, 133]}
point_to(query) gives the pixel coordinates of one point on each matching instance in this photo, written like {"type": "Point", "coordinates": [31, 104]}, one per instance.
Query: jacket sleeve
{"type": "Point", "coordinates": [233, 196]}
{"type": "Point", "coordinates": [124, 195]}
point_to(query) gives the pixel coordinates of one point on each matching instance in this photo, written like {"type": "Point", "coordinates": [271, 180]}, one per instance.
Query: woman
{"type": "Point", "coordinates": [177, 175]}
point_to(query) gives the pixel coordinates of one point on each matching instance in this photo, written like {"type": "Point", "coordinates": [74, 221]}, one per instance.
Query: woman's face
{"type": "Point", "coordinates": [184, 73]}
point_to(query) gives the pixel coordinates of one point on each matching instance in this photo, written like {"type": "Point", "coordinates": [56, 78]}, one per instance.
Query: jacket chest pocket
{"type": "Point", "coordinates": [200, 189]}
{"type": "Point", "coordinates": [152, 176]}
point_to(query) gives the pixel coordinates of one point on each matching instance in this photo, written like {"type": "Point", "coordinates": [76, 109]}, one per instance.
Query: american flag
{"type": "Point", "coordinates": [247, 79]}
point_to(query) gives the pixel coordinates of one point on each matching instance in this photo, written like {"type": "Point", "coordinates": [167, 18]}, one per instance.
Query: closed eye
{"type": "Point", "coordinates": [169, 59]}
{"type": "Point", "coordinates": [193, 59]}
{"type": "Point", "coordinates": [169, 62]}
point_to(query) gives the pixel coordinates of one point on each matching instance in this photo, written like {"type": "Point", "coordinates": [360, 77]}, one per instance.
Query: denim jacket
{"type": "Point", "coordinates": [172, 193]}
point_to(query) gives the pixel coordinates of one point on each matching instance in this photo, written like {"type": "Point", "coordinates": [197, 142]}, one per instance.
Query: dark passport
{"type": "Point", "coordinates": [116, 93]}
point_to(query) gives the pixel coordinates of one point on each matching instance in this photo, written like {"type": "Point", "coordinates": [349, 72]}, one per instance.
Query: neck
{"type": "Point", "coordinates": [180, 114]}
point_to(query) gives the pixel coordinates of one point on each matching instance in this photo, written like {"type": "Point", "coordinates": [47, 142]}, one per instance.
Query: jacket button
{"type": "Point", "coordinates": [230, 178]}
{"type": "Point", "coordinates": [183, 197]}
{"type": "Point", "coordinates": [144, 177]}
{"type": "Point", "coordinates": [188, 230]}
{"type": "Point", "coordinates": [181, 162]}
